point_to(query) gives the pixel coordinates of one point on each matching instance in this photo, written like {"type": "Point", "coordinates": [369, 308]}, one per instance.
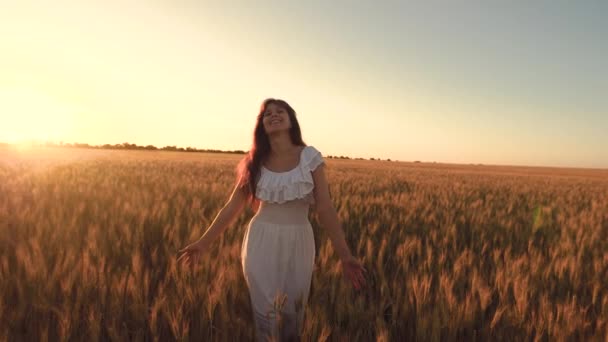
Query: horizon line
{"type": "Point", "coordinates": [189, 149]}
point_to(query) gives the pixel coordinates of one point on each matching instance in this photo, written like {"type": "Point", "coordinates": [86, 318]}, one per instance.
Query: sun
{"type": "Point", "coordinates": [28, 115]}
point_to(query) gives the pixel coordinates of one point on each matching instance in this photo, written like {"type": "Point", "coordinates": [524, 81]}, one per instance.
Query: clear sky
{"type": "Point", "coordinates": [511, 82]}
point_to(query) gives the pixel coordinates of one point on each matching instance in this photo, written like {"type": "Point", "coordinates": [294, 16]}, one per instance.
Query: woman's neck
{"type": "Point", "coordinates": [280, 144]}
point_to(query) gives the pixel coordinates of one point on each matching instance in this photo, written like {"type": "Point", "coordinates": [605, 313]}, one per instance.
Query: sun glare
{"type": "Point", "coordinates": [32, 116]}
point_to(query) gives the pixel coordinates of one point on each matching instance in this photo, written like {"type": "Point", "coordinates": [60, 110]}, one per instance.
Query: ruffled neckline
{"type": "Point", "coordinates": [297, 183]}
{"type": "Point", "coordinates": [295, 168]}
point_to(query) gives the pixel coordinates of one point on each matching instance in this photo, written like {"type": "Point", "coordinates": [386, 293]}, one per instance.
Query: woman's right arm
{"type": "Point", "coordinates": [229, 212]}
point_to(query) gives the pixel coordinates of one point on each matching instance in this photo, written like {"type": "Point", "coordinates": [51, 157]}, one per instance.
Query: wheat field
{"type": "Point", "coordinates": [88, 240]}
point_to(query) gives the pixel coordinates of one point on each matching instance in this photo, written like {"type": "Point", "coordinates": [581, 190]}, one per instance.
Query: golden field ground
{"type": "Point", "coordinates": [454, 252]}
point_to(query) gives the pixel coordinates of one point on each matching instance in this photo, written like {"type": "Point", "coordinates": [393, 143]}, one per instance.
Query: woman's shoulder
{"type": "Point", "coordinates": [310, 150]}
{"type": "Point", "coordinates": [312, 157]}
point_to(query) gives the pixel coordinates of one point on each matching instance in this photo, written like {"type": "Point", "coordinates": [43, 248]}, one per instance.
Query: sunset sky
{"type": "Point", "coordinates": [449, 81]}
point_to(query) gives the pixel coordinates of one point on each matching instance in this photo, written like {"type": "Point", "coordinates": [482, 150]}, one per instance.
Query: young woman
{"type": "Point", "coordinates": [280, 177]}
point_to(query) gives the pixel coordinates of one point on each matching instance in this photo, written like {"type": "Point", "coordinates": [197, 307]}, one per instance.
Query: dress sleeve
{"type": "Point", "coordinates": [315, 158]}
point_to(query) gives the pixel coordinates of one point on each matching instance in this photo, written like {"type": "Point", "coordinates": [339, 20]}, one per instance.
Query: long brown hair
{"type": "Point", "coordinates": [248, 169]}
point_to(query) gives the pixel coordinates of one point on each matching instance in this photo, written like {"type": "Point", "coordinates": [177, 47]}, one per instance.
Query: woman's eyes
{"type": "Point", "coordinates": [268, 113]}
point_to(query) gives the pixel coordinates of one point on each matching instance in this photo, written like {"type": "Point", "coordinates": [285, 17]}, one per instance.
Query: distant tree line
{"type": "Point", "coordinates": [129, 146]}
{"type": "Point", "coordinates": [349, 158]}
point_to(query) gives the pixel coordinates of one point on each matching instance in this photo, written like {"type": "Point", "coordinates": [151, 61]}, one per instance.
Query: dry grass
{"type": "Point", "coordinates": [88, 239]}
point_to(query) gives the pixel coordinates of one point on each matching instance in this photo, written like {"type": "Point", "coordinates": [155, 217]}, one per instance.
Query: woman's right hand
{"type": "Point", "coordinates": [353, 269]}
{"type": "Point", "coordinates": [191, 254]}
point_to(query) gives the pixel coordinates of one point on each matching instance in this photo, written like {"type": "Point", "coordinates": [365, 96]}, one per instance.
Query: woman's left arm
{"type": "Point", "coordinates": [328, 215]}
{"type": "Point", "coordinates": [352, 268]}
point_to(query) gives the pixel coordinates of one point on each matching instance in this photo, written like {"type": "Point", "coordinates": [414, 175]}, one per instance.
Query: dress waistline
{"type": "Point", "coordinates": [292, 212]}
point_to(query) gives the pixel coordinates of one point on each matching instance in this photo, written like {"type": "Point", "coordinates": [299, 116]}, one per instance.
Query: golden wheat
{"type": "Point", "coordinates": [88, 241]}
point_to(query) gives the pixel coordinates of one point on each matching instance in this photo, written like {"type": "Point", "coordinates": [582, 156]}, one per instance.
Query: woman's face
{"type": "Point", "coordinates": [275, 118]}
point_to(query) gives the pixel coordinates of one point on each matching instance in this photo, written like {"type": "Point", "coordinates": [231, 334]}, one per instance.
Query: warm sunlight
{"type": "Point", "coordinates": [30, 115]}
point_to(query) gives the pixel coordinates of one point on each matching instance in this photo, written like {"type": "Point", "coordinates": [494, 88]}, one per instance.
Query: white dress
{"type": "Point", "coordinates": [278, 249]}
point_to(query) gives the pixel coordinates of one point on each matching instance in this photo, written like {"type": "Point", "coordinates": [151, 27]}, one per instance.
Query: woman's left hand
{"type": "Point", "coordinates": [354, 271]}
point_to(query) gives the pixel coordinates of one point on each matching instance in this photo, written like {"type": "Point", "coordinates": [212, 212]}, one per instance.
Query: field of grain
{"type": "Point", "coordinates": [454, 252]}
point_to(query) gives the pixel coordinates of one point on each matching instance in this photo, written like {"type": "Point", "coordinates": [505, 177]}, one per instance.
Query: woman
{"type": "Point", "coordinates": [281, 177]}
